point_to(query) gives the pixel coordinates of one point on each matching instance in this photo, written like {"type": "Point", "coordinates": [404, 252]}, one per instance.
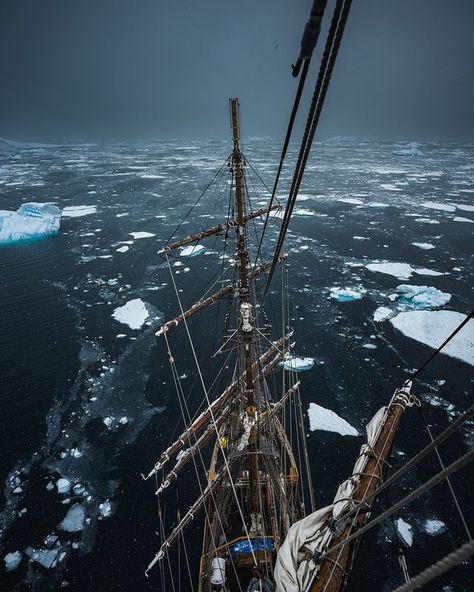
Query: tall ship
{"type": "Point", "coordinates": [260, 527]}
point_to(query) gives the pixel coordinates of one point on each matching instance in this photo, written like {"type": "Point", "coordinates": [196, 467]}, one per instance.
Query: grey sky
{"type": "Point", "coordinates": [166, 68]}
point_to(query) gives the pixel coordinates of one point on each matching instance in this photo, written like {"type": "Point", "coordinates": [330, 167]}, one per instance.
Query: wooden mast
{"type": "Point", "coordinates": [245, 326]}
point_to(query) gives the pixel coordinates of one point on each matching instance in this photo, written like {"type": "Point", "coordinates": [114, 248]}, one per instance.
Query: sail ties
{"type": "Point", "coordinates": [225, 291]}
{"type": "Point", "coordinates": [218, 229]}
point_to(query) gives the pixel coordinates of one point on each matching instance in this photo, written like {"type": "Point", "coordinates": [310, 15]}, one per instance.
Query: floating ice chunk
{"type": "Point", "coordinates": [76, 453]}
{"type": "Point", "coordinates": [402, 271]}
{"type": "Point", "coordinates": [434, 527]}
{"type": "Point", "coordinates": [426, 220]}
{"type": "Point", "coordinates": [433, 327]}
{"type": "Point", "coordinates": [152, 176]}
{"type": "Point", "coordinates": [377, 204]}
{"type": "Point", "coordinates": [405, 531]}
{"type": "Point", "coordinates": [424, 246]}
{"type": "Point", "coordinates": [390, 187]}
{"type": "Point", "coordinates": [74, 519]}
{"type": "Point", "coordinates": [360, 237]}
{"type": "Point", "coordinates": [382, 313]}
{"type": "Point", "coordinates": [346, 294]}
{"type": "Point", "coordinates": [192, 251]}
{"type": "Point", "coordinates": [434, 205]}
{"type": "Point", "coordinates": [123, 249]}
{"type": "Point", "coordinates": [369, 345]}
{"type": "Point", "coordinates": [50, 486]}
{"type": "Point", "coordinates": [351, 200]}
{"type": "Point", "coordinates": [134, 313]}
{"type": "Point", "coordinates": [461, 219]}
{"type": "Point", "coordinates": [142, 234]}
{"type": "Point", "coordinates": [78, 211]}
{"type": "Point", "coordinates": [426, 271]}
{"type": "Point", "coordinates": [328, 421]}
{"type": "Point", "coordinates": [78, 489]}
{"type": "Point", "coordinates": [422, 296]}
{"type": "Point", "coordinates": [45, 557]}
{"type": "Point", "coordinates": [108, 421]}
{"type": "Point", "coordinates": [123, 420]}
{"type": "Point", "coordinates": [465, 207]}
{"type": "Point", "coordinates": [105, 509]}
{"type": "Point", "coordinates": [12, 560]}
{"type": "Point", "coordinates": [31, 221]}
{"type": "Point", "coordinates": [295, 363]}
{"type": "Point", "coordinates": [63, 485]}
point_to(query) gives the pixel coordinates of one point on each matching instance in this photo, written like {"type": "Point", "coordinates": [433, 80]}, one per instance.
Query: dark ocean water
{"type": "Point", "coordinates": [64, 370]}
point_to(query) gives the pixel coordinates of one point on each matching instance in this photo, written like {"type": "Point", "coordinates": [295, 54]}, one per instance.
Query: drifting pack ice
{"type": "Point", "coordinates": [31, 221]}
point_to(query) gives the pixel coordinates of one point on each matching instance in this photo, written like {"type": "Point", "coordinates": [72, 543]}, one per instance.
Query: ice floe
{"type": "Point", "coordinates": [298, 364]}
{"type": "Point", "coordinates": [46, 557]}
{"type": "Point", "coordinates": [435, 205]}
{"type": "Point", "coordinates": [427, 220]}
{"type": "Point", "coordinates": [434, 527]}
{"type": "Point", "coordinates": [351, 200]}
{"type": "Point", "coordinates": [192, 251]}
{"type": "Point", "coordinates": [382, 313]}
{"type": "Point", "coordinates": [63, 485]}
{"type": "Point", "coordinates": [461, 219]}
{"type": "Point", "coordinates": [402, 271]}
{"type": "Point", "coordinates": [422, 296]}
{"type": "Point", "coordinates": [31, 221]}
{"type": "Point", "coordinates": [78, 211]}
{"type": "Point", "coordinates": [105, 509]}
{"type": "Point", "coordinates": [141, 234]}
{"type": "Point", "coordinates": [12, 560]}
{"type": "Point", "coordinates": [346, 294]}
{"type": "Point", "coordinates": [328, 421]}
{"type": "Point", "coordinates": [74, 519]}
{"type": "Point", "coordinates": [424, 246]}
{"type": "Point", "coordinates": [134, 313]}
{"type": "Point", "coordinates": [465, 207]}
{"type": "Point", "coordinates": [433, 327]}
{"type": "Point", "coordinates": [123, 249]}
{"type": "Point", "coordinates": [405, 531]}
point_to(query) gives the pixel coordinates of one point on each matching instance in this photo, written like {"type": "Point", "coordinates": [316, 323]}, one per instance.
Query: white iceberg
{"type": "Point", "coordinates": [192, 251]}
{"type": "Point", "coordinates": [134, 313]}
{"type": "Point", "coordinates": [434, 326]}
{"type": "Point", "coordinates": [405, 531]}
{"type": "Point", "coordinates": [382, 313]}
{"type": "Point", "coordinates": [74, 519]}
{"type": "Point", "coordinates": [295, 363]}
{"type": "Point", "coordinates": [78, 211]}
{"type": "Point", "coordinates": [12, 560]}
{"type": "Point", "coordinates": [434, 527]}
{"type": "Point", "coordinates": [328, 421]}
{"type": "Point", "coordinates": [422, 296]}
{"type": "Point", "coordinates": [31, 221]}
{"type": "Point", "coordinates": [424, 246]}
{"type": "Point", "coordinates": [63, 485]}
{"type": "Point", "coordinates": [346, 294]}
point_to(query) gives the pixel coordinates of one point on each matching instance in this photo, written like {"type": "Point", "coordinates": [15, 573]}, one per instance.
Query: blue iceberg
{"type": "Point", "coordinates": [31, 221]}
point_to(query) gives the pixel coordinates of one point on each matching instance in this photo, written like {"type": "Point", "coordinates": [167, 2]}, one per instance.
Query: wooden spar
{"type": "Point", "coordinates": [188, 518]}
{"type": "Point", "coordinates": [216, 229]}
{"type": "Point", "coordinates": [265, 362]}
{"type": "Point", "coordinates": [225, 291]}
{"type": "Point", "coordinates": [334, 567]}
{"type": "Point", "coordinates": [279, 404]}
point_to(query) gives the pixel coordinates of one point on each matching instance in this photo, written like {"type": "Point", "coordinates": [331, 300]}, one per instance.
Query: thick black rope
{"type": "Point", "coordinates": [435, 353]}
{"type": "Point", "coordinates": [333, 42]}
{"type": "Point", "coordinates": [439, 568]}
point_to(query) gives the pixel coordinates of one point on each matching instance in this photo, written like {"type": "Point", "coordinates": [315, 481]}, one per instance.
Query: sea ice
{"type": "Point", "coordinates": [434, 527]}
{"type": "Point", "coordinates": [424, 246]}
{"type": "Point", "coordinates": [328, 421]}
{"type": "Point", "coordinates": [63, 485]}
{"type": "Point", "coordinates": [31, 221]}
{"type": "Point", "coordinates": [427, 220]}
{"type": "Point", "coordinates": [402, 271]}
{"type": "Point", "coordinates": [346, 294]}
{"type": "Point", "coordinates": [105, 509]}
{"type": "Point", "coordinates": [461, 219]}
{"type": "Point", "coordinates": [465, 207]}
{"type": "Point", "coordinates": [422, 296]}
{"type": "Point", "coordinates": [12, 560]}
{"type": "Point", "coordinates": [137, 235]}
{"type": "Point", "coordinates": [74, 519]}
{"type": "Point", "coordinates": [78, 211]}
{"type": "Point", "coordinates": [45, 557]}
{"type": "Point", "coordinates": [434, 205]}
{"type": "Point", "coordinates": [123, 249]}
{"type": "Point", "coordinates": [134, 313]}
{"type": "Point", "coordinates": [382, 313]}
{"type": "Point", "coordinates": [298, 364]}
{"type": "Point", "coordinates": [433, 327]}
{"type": "Point", "coordinates": [405, 531]}
{"type": "Point", "coordinates": [351, 200]}
{"type": "Point", "coordinates": [192, 251]}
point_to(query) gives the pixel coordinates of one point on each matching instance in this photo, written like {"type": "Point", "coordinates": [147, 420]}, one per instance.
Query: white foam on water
{"type": "Point", "coordinates": [326, 420]}
{"type": "Point", "coordinates": [433, 327]}
{"type": "Point", "coordinates": [134, 313]}
{"type": "Point", "coordinates": [78, 211]}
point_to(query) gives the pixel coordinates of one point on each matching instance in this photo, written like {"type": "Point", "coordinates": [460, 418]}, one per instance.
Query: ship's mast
{"type": "Point", "coordinates": [245, 321]}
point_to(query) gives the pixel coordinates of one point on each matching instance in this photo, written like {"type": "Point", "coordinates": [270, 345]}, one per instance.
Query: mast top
{"type": "Point", "coordinates": [235, 123]}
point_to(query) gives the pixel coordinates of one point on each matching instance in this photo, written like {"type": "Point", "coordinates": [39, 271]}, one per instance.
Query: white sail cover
{"type": "Point", "coordinates": [294, 566]}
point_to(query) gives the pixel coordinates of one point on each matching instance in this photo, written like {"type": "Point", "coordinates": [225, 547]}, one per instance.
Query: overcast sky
{"type": "Point", "coordinates": [166, 68]}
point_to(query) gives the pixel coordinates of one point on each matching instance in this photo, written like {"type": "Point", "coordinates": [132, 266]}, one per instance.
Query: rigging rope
{"type": "Point", "coordinates": [333, 42]}
{"type": "Point", "coordinates": [440, 567]}
{"type": "Point", "coordinates": [434, 354]}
